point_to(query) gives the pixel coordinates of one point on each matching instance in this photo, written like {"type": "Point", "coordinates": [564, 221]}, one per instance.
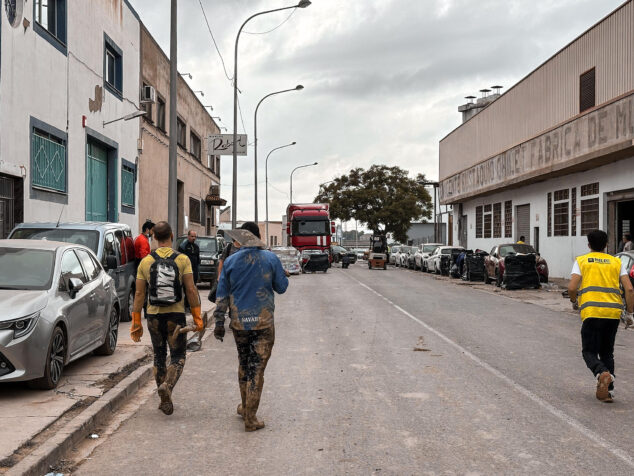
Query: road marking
{"type": "Point", "coordinates": [577, 425]}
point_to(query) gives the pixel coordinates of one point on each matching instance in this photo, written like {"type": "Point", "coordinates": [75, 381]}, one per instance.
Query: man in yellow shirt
{"type": "Point", "coordinates": [595, 280]}
{"type": "Point", "coordinates": [165, 273]}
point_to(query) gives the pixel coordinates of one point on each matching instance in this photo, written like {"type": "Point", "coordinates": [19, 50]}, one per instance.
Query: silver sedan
{"type": "Point", "coordinates": [57, 304]}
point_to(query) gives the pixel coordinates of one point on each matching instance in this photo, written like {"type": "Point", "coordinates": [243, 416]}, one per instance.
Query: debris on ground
{"type": "Point", "coordinates": [420, 346]}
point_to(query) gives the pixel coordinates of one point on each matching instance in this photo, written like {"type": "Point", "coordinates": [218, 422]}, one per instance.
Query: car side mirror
{"type": "Point", "coordinates": [74, 286]}
{"type": "Point", "coordinates": [111, 262]}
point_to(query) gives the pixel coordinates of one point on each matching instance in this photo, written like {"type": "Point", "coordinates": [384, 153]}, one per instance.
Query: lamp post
{"type": "Point", "coordinates": [127, 117]}
{"type": "Point", "coordinates": [299, 87]}
{"type": "Point", "coordinates": [234, 192]}
{"type": "Point", "coordinates": [300, 167]}
{"type": "Point", "coordinates": [266, 186]}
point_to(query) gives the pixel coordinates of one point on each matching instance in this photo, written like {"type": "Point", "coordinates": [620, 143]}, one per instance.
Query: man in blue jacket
{"type": "Point", "coordinates": [247, 282]}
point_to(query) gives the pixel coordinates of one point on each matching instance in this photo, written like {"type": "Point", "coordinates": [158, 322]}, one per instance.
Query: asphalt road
{"type": "Point", "coordinates": [496, 386]}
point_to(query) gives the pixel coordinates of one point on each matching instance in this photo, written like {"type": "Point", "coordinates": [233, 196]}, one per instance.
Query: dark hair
{"type": "Point", "coordinates": [148, 225]}
{"type": "Point", "coordinates": [162, 231]}
{"type": "Point", "coordinates": [597, 239]}
{"type": "Point", "coordinates": [627, 236]}
{"type": "Point", "coordinates": [252, 227]}
{"type": "Point", "coordinates": [522, 238]}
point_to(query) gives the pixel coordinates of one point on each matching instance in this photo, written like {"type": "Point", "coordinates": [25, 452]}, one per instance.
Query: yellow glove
{"type": "Point", "coordinates": [197, 319]}
{"type": "Point", "coordinates": [136, 330]}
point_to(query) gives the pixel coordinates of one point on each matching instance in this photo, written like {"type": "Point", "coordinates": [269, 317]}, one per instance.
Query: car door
{"type": "Point", "coordinates": [111, 248]}
{"type": "Point", "coordinates": [98, 306]}
{"type": "Point", "coordinates": [75, 308]}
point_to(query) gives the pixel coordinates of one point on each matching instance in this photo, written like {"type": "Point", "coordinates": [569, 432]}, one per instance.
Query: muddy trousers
{"type": "Point", "coordinates": [254, 350]}
{"type": "Point", "coordinates": [597, 340]}
{"type": "Point", "coordinates": [161, 327]}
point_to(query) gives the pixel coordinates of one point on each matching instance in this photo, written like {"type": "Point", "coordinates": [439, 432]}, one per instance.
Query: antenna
{"type": "Point", "coordinates": [60, 216]}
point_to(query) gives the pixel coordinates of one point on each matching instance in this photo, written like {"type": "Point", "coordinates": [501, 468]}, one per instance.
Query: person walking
{"type": "Point", "coordinates": [142, 242]}
{"type": "Point", "coordinates": [191, 249]}
{"type": "Point", "coordinates": [522, 240]}
{"type": "Point", "coordinates": [164, 273]}
{"type": "Point", "coordinates": [627, 242]}
{"type": "Point", "coordinates": [594, 289]}
{"type": "Point", "coordinates": [246, 288]}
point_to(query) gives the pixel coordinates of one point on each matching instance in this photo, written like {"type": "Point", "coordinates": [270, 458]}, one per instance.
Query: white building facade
{"type": "Point", "coordinates": [553, 157]}
{"type": "Point", "coordinates": [67, 67]}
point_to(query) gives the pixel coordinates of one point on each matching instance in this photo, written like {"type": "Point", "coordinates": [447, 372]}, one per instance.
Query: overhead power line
{"type": "Point", "coordinates": [272, 29]}
{"type": "Point", "coordinates": [214, 41]}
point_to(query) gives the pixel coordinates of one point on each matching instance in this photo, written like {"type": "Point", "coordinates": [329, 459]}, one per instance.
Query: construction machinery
{"type": "Point", "coordinates": [378, 252]}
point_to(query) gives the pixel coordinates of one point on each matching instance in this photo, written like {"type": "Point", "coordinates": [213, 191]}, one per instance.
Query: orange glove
{"type": "Point", "coordinates": [197, 319]}
{"type": "Point", "coordinates": [136, 329]}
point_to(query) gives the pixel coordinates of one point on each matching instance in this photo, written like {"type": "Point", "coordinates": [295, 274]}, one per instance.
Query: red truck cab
{"type": "Point", "coordinates": [308, 226]}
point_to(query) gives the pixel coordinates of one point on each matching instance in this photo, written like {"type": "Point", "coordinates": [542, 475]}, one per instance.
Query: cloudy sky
{"type": "Point", "coordinates": [383, 78]}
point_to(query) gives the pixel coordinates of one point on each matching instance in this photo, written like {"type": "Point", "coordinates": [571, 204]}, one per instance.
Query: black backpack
{"type": "Point", "coordinates": [165, 283]}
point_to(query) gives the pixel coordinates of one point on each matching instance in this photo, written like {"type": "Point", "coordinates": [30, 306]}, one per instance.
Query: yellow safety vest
{"type": "Point", "coordinates": [600, 294]}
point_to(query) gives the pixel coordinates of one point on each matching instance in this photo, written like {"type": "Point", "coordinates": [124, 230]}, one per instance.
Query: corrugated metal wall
{"type": "Point", "coordinates": [549, 95]}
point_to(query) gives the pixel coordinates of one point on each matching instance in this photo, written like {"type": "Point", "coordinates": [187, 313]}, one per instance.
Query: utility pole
{"type": "Point", "coordinates": [172, 194]}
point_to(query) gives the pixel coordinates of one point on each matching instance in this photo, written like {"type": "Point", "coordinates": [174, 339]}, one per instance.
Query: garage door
{"type": "Point", "coordinates": [523, 222]}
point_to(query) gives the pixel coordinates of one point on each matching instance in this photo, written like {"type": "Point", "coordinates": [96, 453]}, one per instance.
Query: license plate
{"type": "Point", "coordinates": [207, 261]}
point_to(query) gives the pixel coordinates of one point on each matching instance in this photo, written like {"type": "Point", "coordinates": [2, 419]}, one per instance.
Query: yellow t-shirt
{"type": "Point", "coordinates": [184, 267]}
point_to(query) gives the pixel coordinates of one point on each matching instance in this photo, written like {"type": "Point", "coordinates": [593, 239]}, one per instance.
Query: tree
{"type": "Point", "coordinates": [384, 198]}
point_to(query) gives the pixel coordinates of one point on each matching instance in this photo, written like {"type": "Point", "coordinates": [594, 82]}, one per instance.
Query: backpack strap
{"type": "Point", "coordinates": [171, 257]}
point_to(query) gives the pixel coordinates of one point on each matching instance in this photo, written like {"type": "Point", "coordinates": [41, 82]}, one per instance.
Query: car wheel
{"type": "Point", "coordinates": [110, 344]}
{"type": "Point", "coordinates": [55, 358]}
{"type": "Point", "coordinates": [487, 280]}
{"type": "Point", "coordinates": [498, 279]}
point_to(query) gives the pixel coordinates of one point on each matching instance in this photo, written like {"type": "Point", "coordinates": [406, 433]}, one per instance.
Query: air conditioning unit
{"type": "Point", "coordinates": [148, 94]}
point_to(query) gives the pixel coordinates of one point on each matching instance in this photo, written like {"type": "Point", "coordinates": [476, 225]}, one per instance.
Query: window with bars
{"type": "Point", "coordinates": [561, 215]}
{"type": "Point", "coordinates": [479, 221]}
{"type": "Point", "coordinates": [590, 189]}
{"type": "Point", "coordinates": [589, 215]}
{"type": "Point", "coordinates": [127, 185]}
{"type": "Point", "coordinates": [497, 220]}
{"type": "Point", "coordinates": [49, 162]}
{"type": "Point", "coordinates": [194, 210]}
{"type": "Point", "coordinates": [508, 219]}
{"type": "Point", "coordinates": [549, 231]}
{"type": "Point", "coordinates": [488, 220]}
{"type": "Point", "coordinates": [587, 90]}
{"type": "Point", "coordinates": [573, 214]}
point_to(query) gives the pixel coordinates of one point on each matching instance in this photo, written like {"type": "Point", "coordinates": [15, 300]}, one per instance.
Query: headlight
{"type": "Point", "coordinates": [22, 326]}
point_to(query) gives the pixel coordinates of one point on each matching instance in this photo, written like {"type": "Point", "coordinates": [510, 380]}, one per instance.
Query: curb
{"type": "Point", "coordinates": [37, 463]}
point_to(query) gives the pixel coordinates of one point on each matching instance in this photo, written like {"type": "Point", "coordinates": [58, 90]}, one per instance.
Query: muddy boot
{"type": "Point", "coordinates": [603, 383]}
{"type": "Point", "coordinates": [253, 393]}
{"type": "Point", "coordinates": [159, 375]}
{"type": "Point", "coordinates": [243, 396]}
{"type": "Point", "coordinates": [166, 405]}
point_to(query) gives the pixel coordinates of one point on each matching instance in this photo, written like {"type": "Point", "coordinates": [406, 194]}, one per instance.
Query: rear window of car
{"type": "Point", "coordinates": [88, 238]}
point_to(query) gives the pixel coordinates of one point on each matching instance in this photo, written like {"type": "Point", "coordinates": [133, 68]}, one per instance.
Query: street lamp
{"type": "Point", "coordinates": [299, 87]}
{"type": "Point", "coordinates": [132, 115]}
{"type": "Point", "coordinates": [234, 192]}
{"type": "Point", "coordinates": [300, 167]}
{"type": "Point", "coordinates": [266, 186]}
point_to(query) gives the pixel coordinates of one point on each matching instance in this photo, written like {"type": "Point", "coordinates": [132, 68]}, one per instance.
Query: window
{"type": "Point", "coordinates": [479, 222]}
{"type": "Point", "coordinates": [586, 90]}
{"type": "Point", "coordinates": [127, 186]}
{"type": "Point", "coordinates": [194, 210]}
{"type": "Point", "coordinates": [561, 213]}
{"type": "Point", "coordinates": [48, 161]}
{"type": "Point", "coordinates": [573, 214]}
{"type": "Point", "coordinates": [497, 220]}
{"type": "Point", "coordinates": [181, 131]}
{"type": "Point", "coordinates": [589, 208]}
{"type": "Point", "coordinates": [71, 268]}
{"type": "Point", "coordinates": [113, 67]}
{"type": "Point", "coordinates": [217, 171]}
{"type": "Point", "coordinates": [487, 220]}
{"type": "Point", "coordinates": [508, 219]}
{"type": "Point", "coordinates": [550, 214]}
{"type": "Point", "coordinates": [89, 265]}
{"type": "Point", "coordinates": [110, 248]}
{"type": "Point", "coordinates": [147, 107]}
{"type": "Point", "coordinates": [160, 113]}
{"type": "Point", "coordinates": [50, 21]}
{"type": "Point", "coordinates": [194, 145]}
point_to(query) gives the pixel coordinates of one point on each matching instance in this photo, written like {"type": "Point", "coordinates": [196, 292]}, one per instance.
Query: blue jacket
{"type": "Point", "coordinates": [246, 287]}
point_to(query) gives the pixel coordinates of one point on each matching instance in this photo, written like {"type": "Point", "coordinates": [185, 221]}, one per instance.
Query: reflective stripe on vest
{"type": "Point", "coordinates": [600, 294]}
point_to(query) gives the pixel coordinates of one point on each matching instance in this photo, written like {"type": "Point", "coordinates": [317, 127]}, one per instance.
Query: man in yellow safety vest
{"type": "Point", "coordinates": [595, 280]}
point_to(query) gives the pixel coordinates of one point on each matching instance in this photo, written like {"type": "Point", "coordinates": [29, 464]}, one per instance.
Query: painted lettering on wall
{"type": "Point", "coordinates": [592, 132]}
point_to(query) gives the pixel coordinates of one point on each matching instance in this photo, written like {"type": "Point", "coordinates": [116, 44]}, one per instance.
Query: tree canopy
{"type": "Point", "coordinates": [384, 198]}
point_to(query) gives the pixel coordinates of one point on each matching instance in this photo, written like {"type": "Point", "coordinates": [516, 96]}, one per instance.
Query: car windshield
{"type": "Point", "coordinates": [26, 269]}
{"type": "Point", "coordinates": [429, 248]}
{"type": "Point", "coordinates": [506, 250]}
{"type": "Point", "coordinates": [89, 238]}
{"type": "Point", "coordinates": [311, 227]}
{"type": "Point", "coordinates": [207, 245]}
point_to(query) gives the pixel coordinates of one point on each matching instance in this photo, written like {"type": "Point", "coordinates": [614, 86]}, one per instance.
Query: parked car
{"type": "Point", "coordinates": [393, 254]}
{"type": "Point", "coordinates": [57, 304]}
{"type": "Point", "coordinates": [423, 252]}
{"type": "Point", "coordinates": [360, 252]}
{"type": "Point", "coordinates": [290, 258]}
{"type": "Point", "coordinates": [104, 239]}
{"type": "Point", "coordinates": [401, 256]}
{"type": "Point", "coordinates": [410, 259]}
{"type": "Point", "coordinates": [433, 262]}
{"type": "Point", "coordinates": [494, 261]}
{"type": "Point", "coordinates": [315, 260]}
{"type": "Point", "coordinates": [211, 248]}
{"type": "Point", "coordinates": [337, 252]}
{"type": "Point", "coordinates": [627, 257]}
